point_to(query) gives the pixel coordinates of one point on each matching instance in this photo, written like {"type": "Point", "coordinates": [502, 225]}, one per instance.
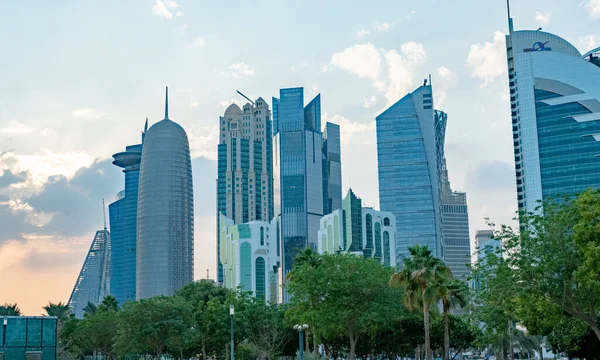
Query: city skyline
{"type": "Point", "coordinates": [59, 117]}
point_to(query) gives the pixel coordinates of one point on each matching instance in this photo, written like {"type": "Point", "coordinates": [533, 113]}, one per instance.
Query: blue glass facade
{"type": "Point", "coordinates": [332, 169]}
{"type": "Point", "coordinates": [409, 171]}
{"type": "Point", "coordinates": [298, 172]}
{"type": "Point", "coordinates": [123, 227]}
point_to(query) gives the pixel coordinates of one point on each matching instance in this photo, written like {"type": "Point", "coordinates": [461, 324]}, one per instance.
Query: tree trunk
{"type": "Point", "coordinates": [510, 340]}
{"type": "Point", "coordinates": [596, 330]}
{"type": "Point", "coordinates": [226, 351]}
{"type": "Point", "coordinates": [428, 355]}
{"type": "Point", "coordinates": [315, 345]}
{"type": "Point", "coordinates": [446, 332]}
{"type": "Point", "coordinates": [352, 337]}
{"type": "Point", "coordinates": [541, 352]}
{"type": "Point", "coordinates": [203, 348]}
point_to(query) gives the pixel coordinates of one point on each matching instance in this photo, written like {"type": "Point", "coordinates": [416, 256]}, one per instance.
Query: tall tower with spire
{"type": "Point", "coordinates": [165, 214]}
{"type": "Point", "coordinates": [123, 224]}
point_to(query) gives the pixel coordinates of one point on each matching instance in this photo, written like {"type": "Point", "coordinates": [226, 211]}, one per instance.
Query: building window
{"type": "Point", "coordinates": [262, 236]}
{"type": "Point", "coordinates": [386, 221]}
{"type": "Point", "coordinates": [260, 278]}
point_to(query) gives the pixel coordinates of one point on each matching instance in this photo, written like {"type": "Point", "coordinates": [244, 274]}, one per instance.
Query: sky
{"type": "Point", "coordinates": [78, 79]}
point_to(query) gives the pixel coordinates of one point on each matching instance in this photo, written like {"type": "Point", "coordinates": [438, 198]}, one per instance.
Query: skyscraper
{"type": "Point", "coordinates": [123, 224]}
{"type": "Point", "coordinates": [344, 230]}
{"type": "Point", "coordinates": [298, 172]}
{"type": "Point", "coordinates": [555, 108]}
{"type": "Point", "coordinates": [245, 167]}
{"type": "Point", "coordinates": [409, 168]}
{"type": "Point", "coordinates": [165, 233]}
{"type": "Point", "coordinates": [455, 216]}
{"type": "Point", "coordinates": [93, 282]}
{"type": "Point", "coordinates": [332, 169]}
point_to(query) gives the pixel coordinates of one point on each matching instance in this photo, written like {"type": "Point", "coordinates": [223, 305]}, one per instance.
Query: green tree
{"type": "Point", "coordinates": [60, 310]}
{"type": "Point", "coordinates": [453, 293]}
{"type": "Point", "coordinates": [418, 277]}
{"type": "Point", "coordinates": [463, 333]}
{"type": "Point", "coordinates": [109, 303]}
{"type": "Point", "coordinates": [149, 325]}
{"type": "Point", "coordinates": [341, 295]}
{"type": "Point", "coordinates": [96, 333]}
{"type": "Point", "coordinates": [90, 309]}
{"type": "Point", "coordinates": [268, 334]}
{"type": "Point", "coordinates": [10, 310]}
{"type": "Point", "coordinates": [556, 255]}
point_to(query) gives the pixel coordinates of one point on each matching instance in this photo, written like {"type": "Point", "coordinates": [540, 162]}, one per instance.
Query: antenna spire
{"type": "Point", "coordinates": [167, 103]}
{"type": "Point", "coordinates": [104, 213]}
{"type": "Point", "coordinates": [146, 125]}
{"type": "Point", "coordinates": [510, 22]}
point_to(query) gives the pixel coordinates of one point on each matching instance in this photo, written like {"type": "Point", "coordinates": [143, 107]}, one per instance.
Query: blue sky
{"type": "Point", "coordinates": [78, 79]}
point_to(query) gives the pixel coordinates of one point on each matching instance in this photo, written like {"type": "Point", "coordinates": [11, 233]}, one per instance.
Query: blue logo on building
{"type": "Point", "coordinates": [539, 46]}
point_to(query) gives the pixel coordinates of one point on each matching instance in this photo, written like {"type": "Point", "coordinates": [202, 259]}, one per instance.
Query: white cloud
{"type": "Point", "coordinates": [401, 69]}
{"type": "Point", "coordinates": [36, 218]}
{"type": "Point", "coordinates": [385, 27]}
{"type": "Point", "coordinates": [16, 128]}
{"type": "Point", "coordinates": [588, 42]}
{"type": "Point", "coordinates": [411, 14]}
{"type": "Point", "coordinates": [292, 69]}
{"type": "Point", "coordinates": [444, 81]}
{"type": "Point", "coordinates": [203, 140]}
{"type": "Point", "coordinates": [363, 60]}
{"type": "Point", "coordinates": [362, 33]}
{"type": "Point", "coordinates": [368, 102]}
{"type": "Point", "coordinates": [349, 128]}
{"type": "Point", "coordinates": [87, 113]}
{"type": "Point", "coordinates": [593, 7]}
{"type": "Point", "coordinates": [194, 104]}
{"type": "Point", "coordinates": [225, 103]}
{"type": "Point", "coordinates": [238, 70]}
{"type": "Point", "coordinates": [542, 18]}
{"type": "Point", "coordinates": [166, 9]}
{"type": "Point", "coordinates": [488, 61]}
{"type": "Point", "coordinates": [197, 43]}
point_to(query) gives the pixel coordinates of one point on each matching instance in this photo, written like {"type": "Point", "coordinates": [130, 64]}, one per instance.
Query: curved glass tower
{"type": "Point", "coordinates": [165, 220]}
{"type": "Point", "coordinates": [555, 108]}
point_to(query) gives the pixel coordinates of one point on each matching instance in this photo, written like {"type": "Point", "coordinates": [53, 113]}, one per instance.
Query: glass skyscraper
{"type": "Point", "coordinates": [332, 169]}
{"type": "Point", "coordinates": [555, 108]}
{"type": "Point", "coordinates": [298, 172]}
{"type": "Point", "coordinates": [165, 218]}
{"type": "Point", "coordinates": [409, 168]}
{"type": "Point", "coordinates": [245, 167]}
{"type": "Point", "coordinates": [123, 224]}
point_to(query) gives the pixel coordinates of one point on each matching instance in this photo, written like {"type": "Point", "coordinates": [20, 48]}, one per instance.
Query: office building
{"type": "Point", "coordinates": [485, 243]}
{"type": "Point", "coordinates": [123, 224]}
{"type": "Point", "coordinates": [245, 167]}
{"type": "Point", "coordinates": [555, 108]}
{"type": "Point", "coordinates": [361, 231]}
{"type": "Point", "coordinates": [250, 259]}
{"type": "Point", "coordinates": [455, 216]}
{"type": "Point", "coordinates": [409, 168]}
{"type": "Point", "coordinates": [165, 219]}
{"type": "Point", "coordinates": [298, 165]}
{"type": "Point", "coordinates": [332, 169]}
{"type": "Point", "coordinates": [93, 281]}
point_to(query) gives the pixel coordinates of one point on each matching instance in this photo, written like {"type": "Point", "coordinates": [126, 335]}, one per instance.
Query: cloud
{"type": "Point", "coordinates": [33, 217]}
{"type": "Point", "coordinates": [592, 7]}
{"type": "Point", "coordinates": [488, 61]}
{"type": "Point", "coordinates": [16, 128]}
{"type": "Point", "coordinates": [542, 18]}
{"type": "Point", "coordinates": [363, 60]}
{"type": "Point", "coordinates": [362, 33]}
{"type": "Point", "coordinates": [349, 128]}
{"type": "Point", "coordinates": [444, 81]}
{"type": "Point", "coordinates": [202, 141]}
{"type": "Point", "coordinates": [385, 27]}
{"type": "Point", "coordinates": [87, 113]}
{"type": "Point", "coordinates": [401, 69]}
{"type": "Point", "coordinates": [292, 69]}
{"type": "Point", "coordinates": [225, 103]}
{"type": "Point", "coordinates": [166, 9]}
{"type": "Point", "coordinates": [238, 70]}
{"type": "Point", "coordinates": [194, 104]}
{"type": "Point", "coordinates": [588, 42]}
{"type": "Point", "coordinates": [197, 43]}
{"type": "Point", "coordinates": [8, 178]}
{"type": "Point", "coordinates": [368, 102]}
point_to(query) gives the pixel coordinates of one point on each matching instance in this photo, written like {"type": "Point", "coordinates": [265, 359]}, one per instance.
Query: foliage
{"type": "Point", "coordinates": [150, 325]}
{"type": "Point", "coordinates": [419, 277]}
{"type": "Point", "coordinates": [10, 310]}
{"type": "Point", "coordinates": [60, 310]}
{"type": "Point", "coordinates": [268, 334]}
{"type": "Point", "coordinates": [462, 334]}
{"type": "Point", "coordinates": [341, 295]}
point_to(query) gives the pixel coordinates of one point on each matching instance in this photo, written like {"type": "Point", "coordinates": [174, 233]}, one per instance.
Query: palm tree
{"type": "Point", "coordinates": [453, 293]}
{"type": "Point", "coordinates": [90, 309]}
{"type": "Point", "coordinates": [60, 310]}
{"type": "Point", "coordinates": [10, 310]}
{"type": "Point", "coordinates": [109, 303]}
{"type": "Point", "coordinates": [420, 272]}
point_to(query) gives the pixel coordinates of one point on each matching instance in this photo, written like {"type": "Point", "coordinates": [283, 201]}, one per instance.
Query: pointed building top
{"type": "Point", "coordinates": [146, 125]}
{"type": "Point", "coordinates": [167, 103]}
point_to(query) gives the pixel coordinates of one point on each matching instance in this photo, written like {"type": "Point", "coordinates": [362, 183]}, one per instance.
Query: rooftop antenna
{"type": "Point", "coordinates": [104, 213]}
{"type": "Point", "coordinates": [429, 79]}
{"type": "Point", "coordinates": [146, 125]}
{"type": "Point", "coordinates": [167, 103]}
{"type": "Point", "coordinates": [245, 97]}
{"type": "Point", "coordinates": [207, 274]}
{"type": "Point", "coordinates": [510, 21]}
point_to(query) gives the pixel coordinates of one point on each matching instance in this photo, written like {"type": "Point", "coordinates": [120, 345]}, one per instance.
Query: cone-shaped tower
{"type": "Point", "coordinates": [165, 236]}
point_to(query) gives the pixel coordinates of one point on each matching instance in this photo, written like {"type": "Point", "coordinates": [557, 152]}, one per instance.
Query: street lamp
{"type": "Point", "coordinates": [231, 312]}
{"type": "Point", "coordinates": [300, 329]}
